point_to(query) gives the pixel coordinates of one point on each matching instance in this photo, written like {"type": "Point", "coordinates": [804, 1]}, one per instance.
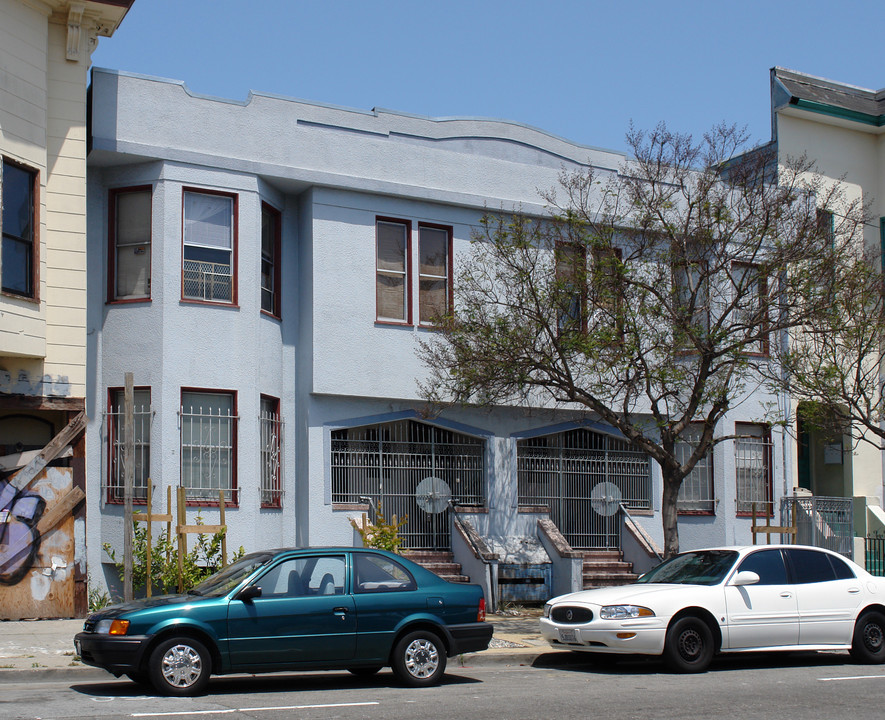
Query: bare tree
{"type": "Point", "coordinates": [647, 298]}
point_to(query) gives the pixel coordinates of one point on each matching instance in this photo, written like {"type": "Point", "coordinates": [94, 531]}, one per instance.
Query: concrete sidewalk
{"type": "Point", "coordinates": [45, 648]}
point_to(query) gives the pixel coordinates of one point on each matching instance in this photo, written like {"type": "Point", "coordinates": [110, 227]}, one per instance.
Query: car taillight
{"type": "Point", "coordinates": [481, 611]}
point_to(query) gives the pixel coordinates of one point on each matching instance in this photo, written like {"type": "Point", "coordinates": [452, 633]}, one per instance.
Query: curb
{"type": "Point", "coordinates": [530, 658]}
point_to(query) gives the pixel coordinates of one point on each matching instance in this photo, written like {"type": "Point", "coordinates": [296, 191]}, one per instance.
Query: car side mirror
{"type": "Point", "coordinates": [745, 577]}
{"type": "Point", "coordinates": [249, 592]}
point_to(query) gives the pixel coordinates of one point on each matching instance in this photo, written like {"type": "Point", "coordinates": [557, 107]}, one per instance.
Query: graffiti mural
{"type": "Point", "coordinates": [20, 511]}
{"type": "Point", "coordinates": [38, 551]}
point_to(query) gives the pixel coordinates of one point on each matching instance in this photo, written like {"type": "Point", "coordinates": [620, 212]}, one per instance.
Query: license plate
{"type": "Point", "coordinates": [567, 635]}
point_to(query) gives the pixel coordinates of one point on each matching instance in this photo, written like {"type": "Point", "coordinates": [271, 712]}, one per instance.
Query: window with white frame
{"type": "Point", "coordinates": [208, 423]}
{"type": "Point", "coordinates": [392, 279]}
{"type": "Point", "coordinates": [18, 222]}
{"type": "Point", "coordinates": [129, 244]}
{"type": "Point", "coordinates": [434, 272]}
{"type": "Point", "coordinates": [208, 257]}
{"type": "Point", "coordinates": [271, 431]}
{"type": "Point", "coordinates": [116, 436]}
{"type": "Point", "coordinates": [696, 491]}
{"type": "Point", "coordinates": [752, 465]}
{"type": "Point", "coordinates": [270, 260]}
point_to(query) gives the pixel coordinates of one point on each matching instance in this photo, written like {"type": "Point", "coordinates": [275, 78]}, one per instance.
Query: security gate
{"type": "Point", "coordinates": [409, 469]}
{"type": "Point", "coordinates": [582, 477]}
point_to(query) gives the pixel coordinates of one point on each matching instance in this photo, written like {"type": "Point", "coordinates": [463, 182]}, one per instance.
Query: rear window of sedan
{"type": "Point", "coordinates": [706, 567]}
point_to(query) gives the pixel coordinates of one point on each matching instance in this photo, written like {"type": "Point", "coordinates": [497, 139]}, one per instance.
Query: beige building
{"type": "Point", "coordinates": [842, 128]}
{"type": "Point", "coordinates": [45, 51]}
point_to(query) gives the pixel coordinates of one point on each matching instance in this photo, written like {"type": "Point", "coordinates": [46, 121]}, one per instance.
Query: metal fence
{"type": "Point", "coordinates": [207, 452]}
{"type": "Point", "coordinates": [208, 281]}
{"type": "Point", "coordinates": [581, 476]}
{"type": "Point", "coordinates": [114, 423]}
{"type": "Point", "coordinates": [826, 522]}
{"type": "Point", "coordinates": [271, 431]}
{"type": "Point", "coordinates": [874, 555]}
{"type": "Point", "coordinates": [407, 469]}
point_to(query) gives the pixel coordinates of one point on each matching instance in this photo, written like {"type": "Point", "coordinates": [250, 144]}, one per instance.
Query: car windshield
{"type": "Point", "coordinates": [708, 567]}
{"type": "Point", "coordinates": [229, 577]}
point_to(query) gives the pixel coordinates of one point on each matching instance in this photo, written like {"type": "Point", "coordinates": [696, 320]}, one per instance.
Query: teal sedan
{"type": "Point", "coordinates": [294, 609]}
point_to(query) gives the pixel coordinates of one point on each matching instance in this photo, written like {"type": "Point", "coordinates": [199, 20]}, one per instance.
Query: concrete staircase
{"type": "Point", "coordinates": [438, 561]}
{"type": "Point", "coordinates": [606, 568]}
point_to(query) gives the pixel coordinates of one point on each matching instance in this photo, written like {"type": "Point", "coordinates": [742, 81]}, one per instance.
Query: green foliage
{"type": "Point", "coordinates": [383, 535]}
{"type": "Point", "coordinates": [203, 559]}
{"type": "Point", "coordinates": [96, 598]}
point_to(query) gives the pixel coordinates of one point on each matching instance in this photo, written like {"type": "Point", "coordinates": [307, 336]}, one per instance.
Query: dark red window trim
{"type": "Point", "coordinates": [112, 437]}
{"type": "Point", "coordinates": [769, 486]}
{"type": "Point", "coordinates": [234, 500]}
{"type": "Point", "coordinates": [112, 243]}
{"type": "Point", "coordinates": [450, 285]}
{"type": "Point", "coordinates": [277, 503]}
{"type": "Point", "coordinates": [408, 269]}
{"type": "Point", "coordinates": [234, 249]}
{"type": "Point", "coordinates": [277, 261]}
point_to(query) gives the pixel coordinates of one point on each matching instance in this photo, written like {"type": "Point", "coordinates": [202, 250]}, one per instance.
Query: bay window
{"type": "Point", "coordinates": [209, 254]}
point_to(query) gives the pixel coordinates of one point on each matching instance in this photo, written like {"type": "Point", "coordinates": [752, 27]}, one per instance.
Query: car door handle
{"type": "Point", "coordinates": [853, 591]}
{"type": "Point", "coordinates": [342, 610]}
{"type": "Point", "coordinates": [786, 594]}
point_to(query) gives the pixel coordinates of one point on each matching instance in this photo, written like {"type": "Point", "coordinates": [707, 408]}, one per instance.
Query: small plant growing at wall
{"type": "Point", "coordinates": [197, 564]}
{"type": "Point", "coordinates": [382, 535]}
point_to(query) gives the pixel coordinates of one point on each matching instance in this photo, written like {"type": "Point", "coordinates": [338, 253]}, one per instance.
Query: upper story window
{"type": "Point", "coordinates": [129, 244]}
{"type": "Point", "coordinates": [19, 227]}
{"type": "Point", "coordinates": [392, 277]}
{"type": "Point", "coordinates": [270, 260]}
{"type": "Point", "coordinates": [210, 239]}
{"type": "Point", "coordinates": [751, 300]}
{"type": "Point", "coordinates": [571, 287]}
{"type": "Point", "coordinates": [434, 272]}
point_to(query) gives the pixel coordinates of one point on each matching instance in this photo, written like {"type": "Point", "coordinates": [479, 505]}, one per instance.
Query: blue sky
{"type": "Point", "coordinates": [580, 70]}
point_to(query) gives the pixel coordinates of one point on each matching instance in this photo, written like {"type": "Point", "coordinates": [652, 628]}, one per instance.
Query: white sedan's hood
{"type": "Point", "coordinates": [624, 593]}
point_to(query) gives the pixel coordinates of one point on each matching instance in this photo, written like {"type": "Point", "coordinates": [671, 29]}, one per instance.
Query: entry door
{"type": "Point", "coordinates": [766, 613]}
{"type": "Point", "coordinates": [303, 615]}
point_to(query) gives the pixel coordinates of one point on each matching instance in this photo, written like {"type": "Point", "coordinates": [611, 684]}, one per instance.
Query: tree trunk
{"type": "Point", "coordinates": [669, 516]}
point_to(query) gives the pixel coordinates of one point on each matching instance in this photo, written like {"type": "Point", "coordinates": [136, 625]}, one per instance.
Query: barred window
{"type": "Point", "coordinates": [208, 445]}
{"type": "Point", "coordinates": [752, 463]}
{"type": "Point", "coordinates": [271, 429]}
{"type": "Point", "coordinates": [116, 438]}
{"type": "Point", "coordinates": [696, 492]}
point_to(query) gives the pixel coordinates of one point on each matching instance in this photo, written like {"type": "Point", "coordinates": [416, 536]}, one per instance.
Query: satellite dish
{"type": "Point", "coordinates": [605, 498]}
{"type": "Point", "coordinates": [433, 495]}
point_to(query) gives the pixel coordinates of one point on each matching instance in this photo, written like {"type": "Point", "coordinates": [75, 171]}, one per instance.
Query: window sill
{"type": "Point", "coordinates": [23, 298]}
{"type": "Point", "coordinates": [212, 303]}
{"type": "Point", "coordinates": [128, 301]}
{"type": "Point", "coordinates": [392, 323]}
{"type": "Point", "coordinates": [272, 316]}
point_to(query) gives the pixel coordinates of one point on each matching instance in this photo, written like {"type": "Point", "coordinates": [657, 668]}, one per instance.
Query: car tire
{"type": "Point", "coordinates": [364, 671]}
{"type": "Point", "coordinates": [688, 647]}
{"type": "Point", "coordinates": [868, 642]}
{"type": "Point", "coordinates": [419, 659]}
{"type": "Point", "coordinates": [180, 666]}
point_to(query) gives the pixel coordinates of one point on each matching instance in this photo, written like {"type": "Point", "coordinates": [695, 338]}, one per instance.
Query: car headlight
{"type": "Point", "coordinates": [112, 627]}
{"type": "Point", "coordinates": [547, 607]}
{"type": "Point", "coordinates": [624, 612]}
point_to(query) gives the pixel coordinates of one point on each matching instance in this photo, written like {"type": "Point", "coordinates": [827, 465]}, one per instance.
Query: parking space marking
{"type": "Point", "coordinates": [252, 709]}
{"type": "Point", "coordinates": [853, 677]}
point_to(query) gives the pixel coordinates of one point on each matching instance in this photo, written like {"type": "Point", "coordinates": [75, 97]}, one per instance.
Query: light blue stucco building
{"type": "Point", "coordinates": [265, 269]}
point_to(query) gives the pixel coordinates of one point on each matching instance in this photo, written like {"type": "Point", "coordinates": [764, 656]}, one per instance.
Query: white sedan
{"type": "Point", "coordinates": [729, 600]}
